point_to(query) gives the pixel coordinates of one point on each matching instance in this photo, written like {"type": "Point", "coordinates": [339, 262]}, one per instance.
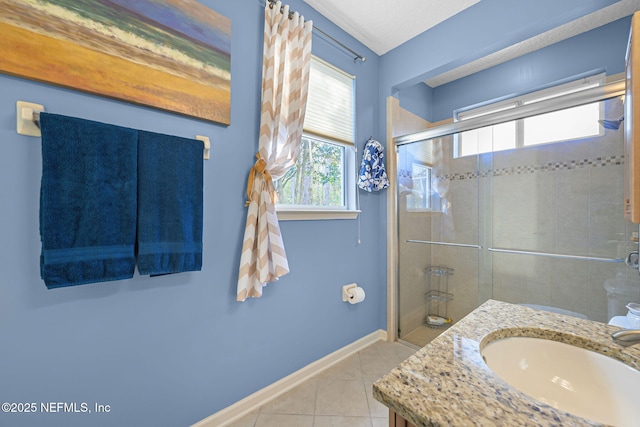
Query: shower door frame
{"type": "Point", "coordinates": [587, 96]}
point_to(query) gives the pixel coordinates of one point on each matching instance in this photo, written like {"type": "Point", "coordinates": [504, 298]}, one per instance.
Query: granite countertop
{"type": "Point", "coordinates": [446, 383]}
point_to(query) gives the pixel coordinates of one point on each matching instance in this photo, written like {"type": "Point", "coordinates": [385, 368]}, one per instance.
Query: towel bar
{"type": "Point", "coordinates": [207, 146]}
{"type": "Point", "coordinates": [28, 123]}
{"type": "Point", "coordinates": [28, 118]}
{"type": "Point", "coordinates": [35, 116]}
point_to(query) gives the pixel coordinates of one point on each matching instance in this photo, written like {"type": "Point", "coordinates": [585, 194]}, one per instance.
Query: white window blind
{"type": "Point", "coordinates": [330, 103]}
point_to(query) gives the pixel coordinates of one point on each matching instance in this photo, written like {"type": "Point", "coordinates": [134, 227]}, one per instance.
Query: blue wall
{"type": "Point", "coordinates": [172, 350]}
{"type": "Point", "coordinates": [486, 27]}
{"type": "Point", "coordinates": [601, 49]}
{"type": "Point", "coordinates": [417, 99]}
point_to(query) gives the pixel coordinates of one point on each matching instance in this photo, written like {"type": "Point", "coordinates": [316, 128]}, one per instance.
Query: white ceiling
{"type": "Point", "coordinates": [384, 28]}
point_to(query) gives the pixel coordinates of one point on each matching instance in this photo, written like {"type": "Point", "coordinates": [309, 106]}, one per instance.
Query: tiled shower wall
{"type": "Point", "coordinates": [564, 198]}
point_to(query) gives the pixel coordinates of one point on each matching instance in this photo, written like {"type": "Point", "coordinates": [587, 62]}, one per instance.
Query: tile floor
{"type": "Point", "coordinates": [341, 396]}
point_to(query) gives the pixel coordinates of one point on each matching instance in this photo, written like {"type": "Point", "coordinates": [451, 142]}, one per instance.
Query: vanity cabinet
{"type": "Point", "coordinates": [396, 420]}
{"type": "Point", "coordinates": [632, 125]}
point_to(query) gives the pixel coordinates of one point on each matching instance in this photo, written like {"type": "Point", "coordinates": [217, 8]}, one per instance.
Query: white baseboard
{"type": "Point", "coordinates": [239, 409]}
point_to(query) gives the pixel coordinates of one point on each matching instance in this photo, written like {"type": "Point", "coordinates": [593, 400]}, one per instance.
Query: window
{"type": "Point", "coordinates": [415, 177]}
{"type": "Point", "coordinates": [420, 196]}
{"type": "Point", "coordinates": [322, 183]}
{"type": "Point", "coordinates": [558, 126]}
{"type": "Point", "coordinates": [487, 139]}
{"type": "Point", "coordinates": [317, 178]}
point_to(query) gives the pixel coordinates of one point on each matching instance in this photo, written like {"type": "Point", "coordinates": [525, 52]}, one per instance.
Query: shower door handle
{"type": "Point", "coordinates": [633, 260]}
{"type": "Point", "coordinates": [554, 255]}
{"type": "Point", "coordinates": [460, 245]}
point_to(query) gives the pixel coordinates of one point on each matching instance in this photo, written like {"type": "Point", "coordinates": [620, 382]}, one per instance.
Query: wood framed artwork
{"type": "Point", "coordinates": [174, 55]}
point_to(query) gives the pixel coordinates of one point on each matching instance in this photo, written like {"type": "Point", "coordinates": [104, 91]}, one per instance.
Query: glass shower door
{"type": "Point", "coordinates": [559, 236]}
{"type": "Point", "coordinates": [485, 214]}
{"type": "Point", "coordinates": [438, 238]}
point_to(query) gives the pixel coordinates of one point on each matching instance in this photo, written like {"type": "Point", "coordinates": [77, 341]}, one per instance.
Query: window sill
{"type": "Point", "coordinates": [288, 214]}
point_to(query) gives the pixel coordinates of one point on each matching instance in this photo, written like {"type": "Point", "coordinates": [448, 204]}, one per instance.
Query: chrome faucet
{"type": "Point", "coordinates": [626, 337]}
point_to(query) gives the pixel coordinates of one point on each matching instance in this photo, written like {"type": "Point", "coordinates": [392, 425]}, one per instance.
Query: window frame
{"type": "Point", "coordinates": [427, 191]}
{"type": "Point", "coordinates": [351, 209]}
{"type": "Point", "coordinates": [422, 158]}
{"type": "Point", "coordinates": [539, 95]}
{"type": "Point", "coordinates": [347, 211]}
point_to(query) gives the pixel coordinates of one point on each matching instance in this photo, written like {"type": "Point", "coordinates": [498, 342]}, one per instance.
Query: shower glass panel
{"type": "Point", "coordinates": [539, 224]}
{"type": "Point", "coordinates": [438, 226]}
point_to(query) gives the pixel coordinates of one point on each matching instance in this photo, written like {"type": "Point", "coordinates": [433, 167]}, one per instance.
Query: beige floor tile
{"type": "Point", "coordinates": [330, 421]}
{"type": "Point", "coordinates": [248, 420]}
{"type": "Point", "coordinates": [348, 369]}
{"type": "Point", "coordinates": [385, 349]}
{"type": "Point", "coordinates": [376, 409]}
{"type": "Point", "coordinates": [300, 400]}
{"type": "Point", "coordinates": [374, 367]}
{"type": "Point", "coordinates": [341, 396]}
{"type": "Point", "coordinates": [378, 359]}
{"type": "Point", "coordinates": [282, 420]}
{"type": "Point", "coordinates": [344, 398]}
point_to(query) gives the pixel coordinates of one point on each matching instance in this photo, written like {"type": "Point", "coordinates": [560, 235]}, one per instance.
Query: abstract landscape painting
{"type": "Point", "coordinates": [173, 55]}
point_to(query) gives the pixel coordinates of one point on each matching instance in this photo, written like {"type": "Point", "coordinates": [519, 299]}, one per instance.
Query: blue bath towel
{"type": "Point", "coordinates": [87, 201]}
{"type": "Point", "coordinates": [169, 204]}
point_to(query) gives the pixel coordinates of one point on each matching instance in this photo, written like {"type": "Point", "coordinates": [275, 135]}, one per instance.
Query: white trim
{"type": "Point", "coordinates": [239, 409]}
{"type": "Point", "coordinates": [307, 214]}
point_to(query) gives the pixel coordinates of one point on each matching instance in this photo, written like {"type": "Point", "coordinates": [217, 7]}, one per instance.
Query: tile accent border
{"type": "Point", "coordinates": [529, 169]}
{"type": "Point", "coordinates": [252, 402]}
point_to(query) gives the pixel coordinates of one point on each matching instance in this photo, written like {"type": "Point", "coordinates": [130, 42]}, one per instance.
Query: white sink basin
{"type": "Point", "coordinates": [569, 378]}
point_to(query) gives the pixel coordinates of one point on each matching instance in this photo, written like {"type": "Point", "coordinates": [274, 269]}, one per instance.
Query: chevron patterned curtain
{"type": "Point", "coordinates": [285, 80]}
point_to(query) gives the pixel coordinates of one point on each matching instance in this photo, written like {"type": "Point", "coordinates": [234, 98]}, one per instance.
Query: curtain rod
{"type": "Point", "coordinates": [356, 54]}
